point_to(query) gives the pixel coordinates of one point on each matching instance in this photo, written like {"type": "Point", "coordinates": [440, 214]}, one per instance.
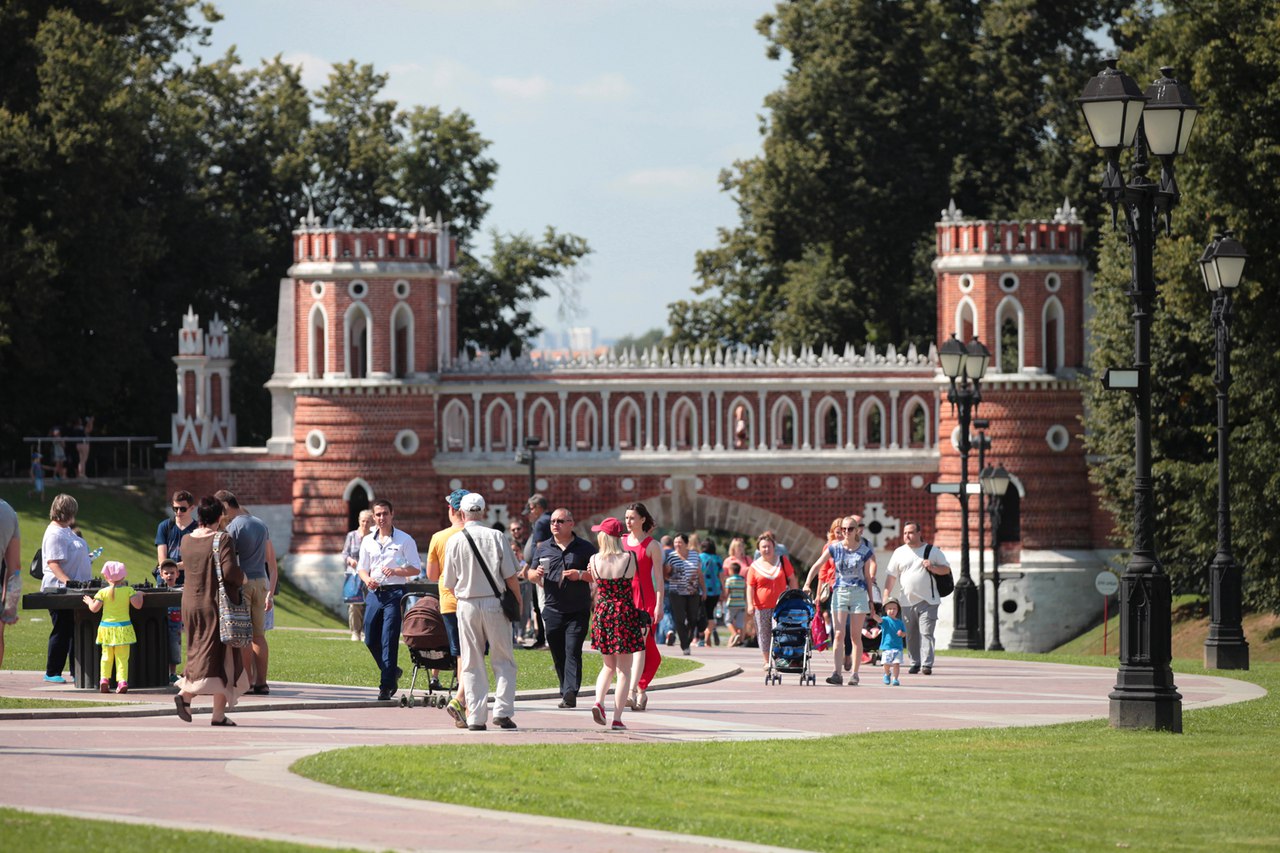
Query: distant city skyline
{"type": "Point", "coordinates": [610, 120]}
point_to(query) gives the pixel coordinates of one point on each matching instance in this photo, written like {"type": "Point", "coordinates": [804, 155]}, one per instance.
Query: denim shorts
{"type": "Point", "coordinates": [850, 599]}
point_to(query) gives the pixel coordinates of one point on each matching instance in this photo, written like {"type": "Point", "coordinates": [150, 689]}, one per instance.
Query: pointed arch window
{"type": "Point", "coordinates": [1054, 345]}
{"type": "Point", "coordinates": [456, 427]}
{"type": "Point", "coordinates": [871, 427]}
{"type": "Point", "coordinates": [357, 341]}
{"type": "Point", "coordinates": [497, 427]}
{"type": "Point", "coordinates": [584, 422]}
{"type": "Point", "coordinates": [827, 424]}
{"type": "Point", "coordinates": [318, 351]}
{"type": "Point", "coordinates": [402, 341]}
{"type": "Point", "coordinates": [1009, 337]}
{"type": "Point", "coordinates": [542, 423]}
{"type": "Point", "coordinates": [684, 425]}
{"type": "Point", "coordinates": [626, 425]}
{"type": "Point", "coordinates": [782, 425]}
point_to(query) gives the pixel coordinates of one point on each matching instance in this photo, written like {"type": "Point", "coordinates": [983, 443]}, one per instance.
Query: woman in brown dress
{"type": "Point", "coordinates": [213, 668]}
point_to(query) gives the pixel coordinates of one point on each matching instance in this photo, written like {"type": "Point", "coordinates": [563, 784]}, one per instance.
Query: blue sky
{"type": "Point", "coordinates": [609, 119]}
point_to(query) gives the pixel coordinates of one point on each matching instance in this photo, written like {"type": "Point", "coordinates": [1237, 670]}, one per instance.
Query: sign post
{"type": "Point", "coordinates": [1108, 584]}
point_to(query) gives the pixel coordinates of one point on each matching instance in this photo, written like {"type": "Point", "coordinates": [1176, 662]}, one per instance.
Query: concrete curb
{"type": "Point", "coordinates": [710, 671]}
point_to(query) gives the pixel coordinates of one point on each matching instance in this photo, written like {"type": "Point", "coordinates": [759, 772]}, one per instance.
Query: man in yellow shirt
{"type": "Point", "coordinates": [457, 707]}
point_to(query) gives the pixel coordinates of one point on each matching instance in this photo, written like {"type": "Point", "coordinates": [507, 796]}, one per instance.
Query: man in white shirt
{"type": "Point", "coordinates": [477, 560]}
{"type": "Point", "coordinates": [388, 558]}
{"type": "Point", "coordinates": [911, 565]}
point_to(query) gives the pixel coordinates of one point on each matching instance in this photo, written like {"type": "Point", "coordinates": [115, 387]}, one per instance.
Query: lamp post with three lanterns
{"type": "Point", "coordinates": [1156, 122]}
{"type": "Point", "coordinates": [964, 366]}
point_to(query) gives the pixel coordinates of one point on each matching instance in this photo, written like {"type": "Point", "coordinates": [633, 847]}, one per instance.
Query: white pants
{"type": "Point", "coordinates": [480, 621]}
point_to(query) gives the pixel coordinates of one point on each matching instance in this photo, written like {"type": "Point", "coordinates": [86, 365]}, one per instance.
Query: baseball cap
{"type": "Point", "coordinates": [455, 498]}
{"type": "Point", "coordinates": [611, 526]}
{"type": "Point", "coordinates": [472, 502]}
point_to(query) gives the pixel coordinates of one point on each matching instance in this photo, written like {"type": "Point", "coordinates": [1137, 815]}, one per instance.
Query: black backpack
{"type": "Point", "coordinates": [943, 584]}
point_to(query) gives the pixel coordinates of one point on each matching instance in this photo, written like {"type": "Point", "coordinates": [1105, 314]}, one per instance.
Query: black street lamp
{"type": "Point", "coordinates": [964, 365]}
{"type": "Point", "coordinates": [995, 483]}
{"type": "Point", "coordinates": [529, 456]}
{"type": "Point", "coordinates": [983, 443]}
{"type": "Point", "coordinates": [1157, 122]}
{"type": "Point", "coordinates": [1221, 266]}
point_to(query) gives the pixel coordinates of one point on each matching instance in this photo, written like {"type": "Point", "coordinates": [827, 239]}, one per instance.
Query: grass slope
{"type": "Point", "coordinates": [1081, 786]}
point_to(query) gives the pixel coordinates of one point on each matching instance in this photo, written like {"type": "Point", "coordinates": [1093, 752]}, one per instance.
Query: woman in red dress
{"type": "Point", "coordinates": [617, 626]}
{"type": "Point", "coordinates": [647, 589]}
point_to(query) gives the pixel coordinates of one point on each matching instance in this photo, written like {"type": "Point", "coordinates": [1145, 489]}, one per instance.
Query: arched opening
{"type": "Point", "coordinates": [542, 424]}
{"type": "Point", "coordinates": [215, 397]}
{"type": "Point", "coordinates": [684, 425]}
{"type": "Point", "coordinates": [966, 319]}
{"type": "Point", "coordinates": [741, 425]}
{"type": "Point", "coordinates": [917, 421]}
{"type": "Point", "coordinates": [584, 422]}
{"type": "Point", "coordinates": [189, 394]}
{"type": "Point", "coordinates": [828, 424]}
{"type": "Point", "coordinates": [357, 341]}
{"type": "Point", "coordinates": [626, 425]}
{"type": "Point", "coordinates": [1051, 334]}
{"type": "Point", "coordinates": [402, 341]}
{"type": "Point", "coordinates": [317, 352]}
{"type": "Point", "coordinates": [783, 424]}
{"type": "Point", "coordinates": [1011, 516]}
{"type": "Point", "coordinates": [358, 497]}
{"type": "Point", "coordinates": [497, 427]}
{"type": "Point", "coordinates": [1009, 337]}
{"type": "Point", "coordinates": [872, 425]}
{"type": "Point", "coordinates": [456, 427]}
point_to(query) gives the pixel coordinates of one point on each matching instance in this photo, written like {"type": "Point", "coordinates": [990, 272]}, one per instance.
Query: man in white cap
{"type": "Point", "coordinates": [478, 566]}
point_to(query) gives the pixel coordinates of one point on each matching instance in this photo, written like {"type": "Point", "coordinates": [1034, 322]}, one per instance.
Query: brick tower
{"type": "Point", "coordinates": [1021, 287]}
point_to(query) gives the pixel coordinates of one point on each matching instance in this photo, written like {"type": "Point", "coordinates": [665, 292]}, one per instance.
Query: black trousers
{"type": "Point", "coordinates": [64, 628]}
{"type": "Point", "coordinates": [685, 610]}
{"type": "Point", "coordinates": [566, 633]}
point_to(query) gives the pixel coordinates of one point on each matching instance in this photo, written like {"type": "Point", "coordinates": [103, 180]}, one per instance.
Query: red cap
{"type": "Point", "coordinates": [611, 526]}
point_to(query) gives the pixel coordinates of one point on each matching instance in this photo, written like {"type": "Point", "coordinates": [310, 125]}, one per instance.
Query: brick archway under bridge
{"type": "Point", "coordinates": [684, 509]}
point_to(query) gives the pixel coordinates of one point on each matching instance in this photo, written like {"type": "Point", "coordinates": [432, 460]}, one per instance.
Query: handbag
{"type": "Point", "coordinates": [235, 628]}
{"type": "Point", "coordinates": [510, 604]}
{"type": "Point", "coordinates": [353, 590]}
{"type": "Point", "coordinates": [824, 592]}
{"type": "Point", "coordinates": [943, 584]}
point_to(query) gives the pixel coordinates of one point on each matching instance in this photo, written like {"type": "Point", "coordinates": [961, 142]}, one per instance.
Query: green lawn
{"type": "Point", "coordinates": [50, 834]}
{"type": "Point", "coordinates": [1082, 786]}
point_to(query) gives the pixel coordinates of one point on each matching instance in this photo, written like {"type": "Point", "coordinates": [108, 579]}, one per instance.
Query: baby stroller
{"type": "Point", "coordinates": [422, 629]}
{"type": "Point", "coordinates": [792, 644]}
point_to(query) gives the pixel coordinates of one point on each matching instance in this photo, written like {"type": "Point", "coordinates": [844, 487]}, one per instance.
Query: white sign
{"type": "Point", "coordinates": [1106, 583]}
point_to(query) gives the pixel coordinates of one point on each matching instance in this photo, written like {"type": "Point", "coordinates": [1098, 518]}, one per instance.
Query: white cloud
{"type": "Point", "coordinates": [606, 87]}
{"type": "Point", "coordinates": [670, 181]}
{"type": "Point", "coordinates": [315, 69]}
{"type": "Point", "coordinates": [521, 88]}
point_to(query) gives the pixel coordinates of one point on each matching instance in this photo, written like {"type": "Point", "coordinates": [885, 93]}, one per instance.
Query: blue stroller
{"type": "Point", "coordinates": [792, 644]}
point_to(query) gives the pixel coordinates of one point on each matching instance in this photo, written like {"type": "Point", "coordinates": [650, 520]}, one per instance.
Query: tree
{"type": "Point", "coordinates": [133, 185]}
{"type": "Point", "coordinates": [1229, 58]}
{"type": "Point", "coordinates": [889, 107]}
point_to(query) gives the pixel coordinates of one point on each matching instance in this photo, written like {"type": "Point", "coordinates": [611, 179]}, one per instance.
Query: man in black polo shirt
{"type": "Point", "coordinates": [560, 568]}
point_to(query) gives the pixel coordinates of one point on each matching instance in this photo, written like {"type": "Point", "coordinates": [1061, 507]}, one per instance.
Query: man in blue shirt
{"type": "Point", "coordinates": [169, 532]}
{"type": "Point", "coordinates": [257, 558]}
{"type": "Point", "coordinates": [560, 568]}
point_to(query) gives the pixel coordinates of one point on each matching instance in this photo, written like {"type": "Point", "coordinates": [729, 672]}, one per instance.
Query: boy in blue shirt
{"type": "Point", "coordinates": [892, 633]}
{"type": "Point", "coordinates": [169, 578]}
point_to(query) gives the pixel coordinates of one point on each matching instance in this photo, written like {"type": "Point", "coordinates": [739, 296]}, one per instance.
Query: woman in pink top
{"type": "Point", "coordinates": [771, 575]}
{"type": "Point", "coordinates": [647, 588]}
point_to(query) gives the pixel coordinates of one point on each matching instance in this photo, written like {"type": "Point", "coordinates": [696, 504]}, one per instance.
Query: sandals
{"type": "Point", "coordinates": [225, 721]}
{"type": "Point", "coordinates": [184, 708]}
{"type": "Point", "coordinates": [643, 702]}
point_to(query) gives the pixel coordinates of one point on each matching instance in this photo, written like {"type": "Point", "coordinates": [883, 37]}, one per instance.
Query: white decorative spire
{"type": "Point", "coordinates": [952, 213]}
{"type": "Point", "coordinates": [190, 341]}
{"type": "Point", "coordinates": [1066, 215]}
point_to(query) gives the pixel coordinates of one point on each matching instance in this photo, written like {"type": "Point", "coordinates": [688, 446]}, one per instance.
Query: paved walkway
{"type": "Point", "coordinates": [155, 764]}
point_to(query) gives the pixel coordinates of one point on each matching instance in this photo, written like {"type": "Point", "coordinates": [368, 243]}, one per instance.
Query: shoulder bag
{"type": "Point", "coordinates": [510, 604]}
{"type": "Point", "coordinates": [235, 628]}
{"type": "Point", "coordinates": [944, 585]}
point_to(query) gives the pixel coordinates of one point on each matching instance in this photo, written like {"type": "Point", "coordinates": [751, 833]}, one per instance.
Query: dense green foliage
{"type": "Point", "coordinates": [136, 179]}
{"type": "Point", "coordinates": [890, 108]}
{"type": "Point", "coordinates": [1229, 55]}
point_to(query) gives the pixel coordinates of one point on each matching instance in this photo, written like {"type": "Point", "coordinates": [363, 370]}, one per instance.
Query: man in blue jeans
{"type": "Point", "coordinates": [560, 568]}
{"type": "Point", "coordinates": [388, 558]}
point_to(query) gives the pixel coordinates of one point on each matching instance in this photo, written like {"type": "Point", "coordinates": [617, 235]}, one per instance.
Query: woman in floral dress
{"type": "Point", "coordinates": [617, 627]}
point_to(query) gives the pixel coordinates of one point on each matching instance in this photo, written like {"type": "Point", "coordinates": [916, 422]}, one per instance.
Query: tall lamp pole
{"type": "Point", "coordinates": [964, 366]}
{"type": "Point", "coordinates": [995, 483]}
{"type": "Point", "coordinates": [1157, 122]}
{"type": "Point", "coordinates": [983, 443]}
{"type": "Point", "coordinates": [1222, 266]}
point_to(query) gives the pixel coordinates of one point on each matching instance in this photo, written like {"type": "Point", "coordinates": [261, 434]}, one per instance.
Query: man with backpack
{"type": "Point", "coordinates": [916, 565]}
